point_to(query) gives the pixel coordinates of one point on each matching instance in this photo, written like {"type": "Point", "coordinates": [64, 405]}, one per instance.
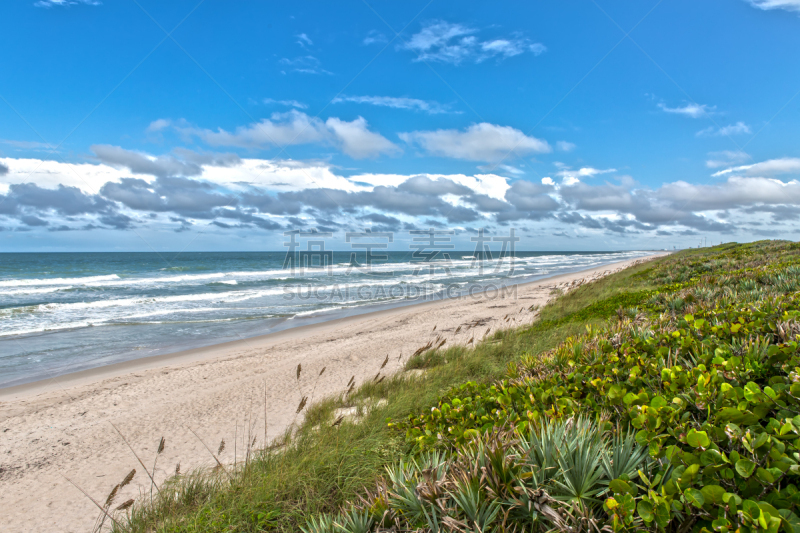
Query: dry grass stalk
{"type": "Point", "coordinates": [376, 376]}
{"type": "Point", "coordinates": [137, 457]}
{"type": "Point", "coordinates": [221, 448]}
{"type": "Point", "coordinates": [303, 402]}
{"type": "Point", "coordinates": [352, 380]}
{"type": "Point", "coordinates": [155, 461]}
{"type": "Point", "coordinates": [337, 421]}
{"type": "Point", "coordinates": [178, 469]}
{"type": "Point", "coordinates": [103, 509]}
{"type": "Point", "coordinates": [299, 369]}
{"type": "Point", "coordinates": [322, 371]}
{"type": "Point", "coordinates": [124, 505]}
{"type": "Point", "coordinates": [457, 330]}
{"type": "Point", "coordinates": [128, 478]}
{"type": "Point", "coordinates": [385, 361]}
{"type": "Point", "coordinates": [112, 495]}
{"type": "Point", "coordinates": [382, 378]}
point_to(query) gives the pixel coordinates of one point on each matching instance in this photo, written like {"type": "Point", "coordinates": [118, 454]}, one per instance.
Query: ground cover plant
{"type": "Point", "coordinates": [663, 398]}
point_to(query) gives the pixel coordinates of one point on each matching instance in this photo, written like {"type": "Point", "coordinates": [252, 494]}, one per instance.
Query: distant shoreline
{"type": "Point", "coordinates": [303, 324]}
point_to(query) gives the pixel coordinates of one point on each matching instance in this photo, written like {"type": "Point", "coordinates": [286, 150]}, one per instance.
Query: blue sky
{"type": "Point", "coordinates": [585, 124]}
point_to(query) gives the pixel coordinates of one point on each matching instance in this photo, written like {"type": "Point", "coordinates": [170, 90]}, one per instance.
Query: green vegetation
{"type": "Point", "coordinates": [663, 398]}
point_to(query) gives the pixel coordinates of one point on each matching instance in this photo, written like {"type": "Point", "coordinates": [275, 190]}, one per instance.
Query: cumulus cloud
{"type": "Point", "coordinates": [692, 110]}
{"type": "Point", "coordinates": [183, 196]}
{"type": "Point", "coordinates": [479, 142]}
{"type": "Point", "coordinates": [190, 162]}
{"type": "Point", "coordinates": [789, 5]}
{"type": "Point", "coordinates": [528, 197]}
{"type": "Point", "coordinates": [428, 106]}
{"type": "Point", "coordinates": [295, 127]}
{"type": "Point", "coordinates": [354, 139]}
{"type": "Point", "coordinates": [456, 43]}
{"type": "Point", "coordinates": [139, 163]}
{"type": "Point", "coordinates": [570, 176]}
{"type": "Point", "coordinates": [739, 128]}
{"type": "Point", "coordinates": [271, 195]}
{"type": "Point", "coordinates": [31, 205]}
{"type": "Point", "coordinates": [3, 169]}
{"type": "Point", "coordinates": [735, 192]}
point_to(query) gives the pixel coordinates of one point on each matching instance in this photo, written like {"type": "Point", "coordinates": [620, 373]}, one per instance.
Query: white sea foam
{"type": "Point", "coordinates": [56, 281]}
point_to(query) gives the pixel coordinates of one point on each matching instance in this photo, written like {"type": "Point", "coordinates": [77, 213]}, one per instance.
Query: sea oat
{"type": "Point", "coordinates": [302, 404]}
{"type": "Point", "coordinates": [125, 505]}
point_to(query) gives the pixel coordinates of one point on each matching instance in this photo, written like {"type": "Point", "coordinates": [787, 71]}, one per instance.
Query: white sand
{"type": "Point", "coordinates": [63, 427]}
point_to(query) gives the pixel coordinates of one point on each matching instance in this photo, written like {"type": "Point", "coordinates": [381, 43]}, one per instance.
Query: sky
{"type": "Point", "coordinates": [136, 125]}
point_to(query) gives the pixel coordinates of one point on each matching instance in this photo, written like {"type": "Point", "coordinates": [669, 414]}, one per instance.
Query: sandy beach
{"type": "Point", "coordinates": [63, 427]}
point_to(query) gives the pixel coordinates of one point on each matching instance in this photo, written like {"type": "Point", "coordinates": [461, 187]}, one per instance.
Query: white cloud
{"type": "Point", "coordinates": [355, 139]}
{"type": "Point", "coordinates": [735, 192]}
{"type": "Point", "coordinates": [491, 185]}
{"type": "Point", "coordinates": [455, 43]}
{"type": "Point", "coordinates": [772, 167]}
{"type": "Point", "coordinates": [569, 176]}
{"type": "Point", "coordinates": [479, 142]}
{"type": "Point", "coordinates": [739, 128]}
{"type": "Point", "coordinates": [87, 177]}
{"type": "Point", "coordinates": [726, 158]}
{"type": "Point", "coordinates": [295, 127]}
{"type": "Point", "coordinates": [305, 65]}
{"type": "Point", "coordinates": [692, 110]}
{"type": "Point", "coordinates": [373, 37]}
{"type": "Point", "coordinates": [288, 103]}
{"type": "Point", "coordinates": [428, 106]}
{"type": "Point", "coordinates": [789, 5]}
{"type": "Point", "coordinates": [564, 146]}
{"type": "Point", "coordinates": [303, 40]}
{"type": "Point", "coordinates": [159, 125]}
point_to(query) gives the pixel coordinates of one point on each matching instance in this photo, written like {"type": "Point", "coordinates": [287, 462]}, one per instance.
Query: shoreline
{"type": "Point", "coordinates": [281, 332]}
{"type": "Point", "coordinates": [64, 426]}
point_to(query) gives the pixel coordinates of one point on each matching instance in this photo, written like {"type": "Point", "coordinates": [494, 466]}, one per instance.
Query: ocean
{"type": "Point", "coordinates": [66, 312]}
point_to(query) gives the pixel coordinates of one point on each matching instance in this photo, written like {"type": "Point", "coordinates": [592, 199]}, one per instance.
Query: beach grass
{"type": "Point", "coordinates": [323, 465]}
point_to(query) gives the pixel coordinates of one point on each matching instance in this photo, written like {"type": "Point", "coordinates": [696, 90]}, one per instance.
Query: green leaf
{"type": "Point", "coordinates": [765, 476]}
{"type": "Point", "coordinates": [621, 487]}
{"type": "Point", "coordinates": [697, 439]}
{"type": "Point", "coordinates": [695, 497]}
{"type": "Point", "coordinates": [658, 402]}
{"type": "Point", "coordinates": [662, 514]}
{"type": "Point", "coordinates": [745, 467]}
{"type": "Point", "coordinates": [645, 510]}
{"type": "Point", "coordinates": [713, 494]}
{"type": "Point", "coordinates": [791, 524]}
